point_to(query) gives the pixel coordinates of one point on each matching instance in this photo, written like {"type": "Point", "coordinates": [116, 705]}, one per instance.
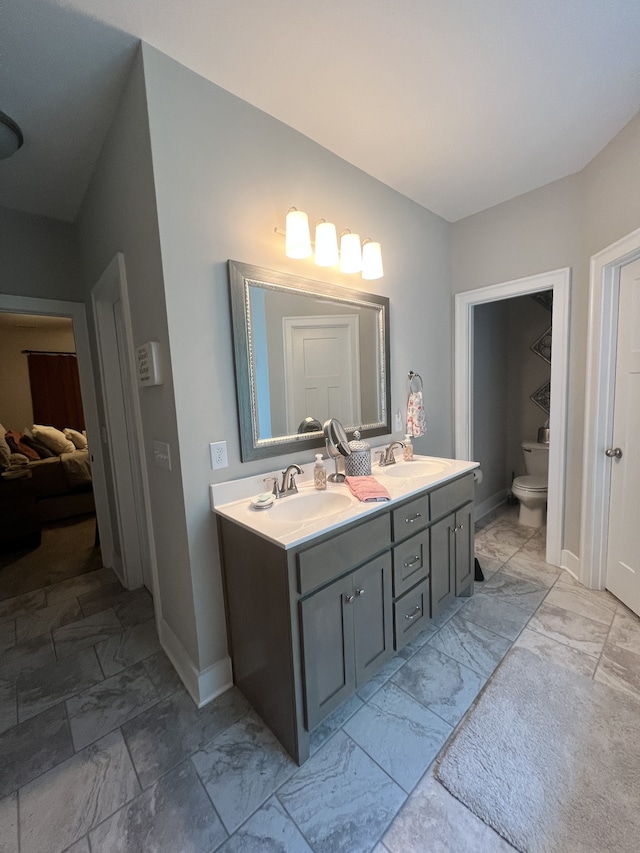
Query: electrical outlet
{"type": "Point", "coordinates": [218, 451]}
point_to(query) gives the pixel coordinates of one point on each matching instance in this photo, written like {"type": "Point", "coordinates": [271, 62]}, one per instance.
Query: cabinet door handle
{"type": "Point", "coordinates": [415, 518]}
{"type": "Point", "coordinates": [413, 615]}
{"type": "Point", "coordinates": [360, 591]}
{"type": "Point", "coordinates": [409, 563]}
{"type": "Point", "coordinates": [458, 527]}
{"type": "Point", "coordinates": [349, 598]}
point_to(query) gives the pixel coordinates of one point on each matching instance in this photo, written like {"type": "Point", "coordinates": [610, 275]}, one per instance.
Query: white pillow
{"type": "Point", "coordinates": [77, 438]}
{"type": "Point", "coordinates": [53, 438]}
{"type": "Point", "coordinates": [5, 450]}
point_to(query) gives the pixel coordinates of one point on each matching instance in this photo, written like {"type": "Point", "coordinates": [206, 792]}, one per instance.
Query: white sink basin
{"type": "Point", "coordinates": [416, 468]}
{"type": "Point", "coordinates": [308, 506]}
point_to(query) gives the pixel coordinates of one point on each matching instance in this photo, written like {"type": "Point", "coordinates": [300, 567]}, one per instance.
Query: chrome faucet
{"type": "Point", "coordinates": [386, 455]}
{"type": "Point", "coordinates": [288, 486]}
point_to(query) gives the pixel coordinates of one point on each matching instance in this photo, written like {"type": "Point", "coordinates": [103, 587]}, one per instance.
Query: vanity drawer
{"type": "Point", "coordinates": [410, 562]}
{"type": "Point", "coordinates": [410, 517]}
{"type": "Point", "coordinates": [411, 614]}
{"type": "Point", "coordinates": [344, 551]}
{"type": "Point", "coordinates": [451, 496]}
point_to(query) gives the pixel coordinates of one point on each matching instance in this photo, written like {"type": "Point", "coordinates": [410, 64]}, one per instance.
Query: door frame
{"type": "Point", "coordinates": [560, 282]}
{"type": "Point", "coordinates": [602, 343]}
{"type": "Point", "coordinates": [76, 312]}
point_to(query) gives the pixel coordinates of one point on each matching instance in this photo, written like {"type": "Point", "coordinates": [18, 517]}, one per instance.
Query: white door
{"type": "Point", "coordinates": [623, 554]}
{"type": "Point", "coordinates": [321, 363]}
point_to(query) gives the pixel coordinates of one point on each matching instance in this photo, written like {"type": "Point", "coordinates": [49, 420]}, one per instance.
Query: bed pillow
{"type": "Point", "coordinates": [52, 438]}
{"type": "Point", "coordinates": [42, 451]}
{"type": "Point", "coordinates": [5, 450]}
{"type": "Point", "coordinates": [77, 438]}
{"type": "Point", "coordinates": [17, 445]}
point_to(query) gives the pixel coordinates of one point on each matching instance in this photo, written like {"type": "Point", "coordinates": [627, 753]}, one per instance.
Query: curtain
{"type": "Point", "coordinates": [55, 390]}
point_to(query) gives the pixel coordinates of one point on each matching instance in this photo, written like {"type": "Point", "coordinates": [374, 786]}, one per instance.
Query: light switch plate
{"type": "Point", "coordinates": [162, 455]}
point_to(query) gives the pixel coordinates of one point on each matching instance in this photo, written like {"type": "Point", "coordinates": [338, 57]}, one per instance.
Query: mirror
{"type": "Point", "coordinates": [306, 351]}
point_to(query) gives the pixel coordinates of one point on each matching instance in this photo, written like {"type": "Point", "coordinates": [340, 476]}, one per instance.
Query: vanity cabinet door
{"type": "Point", "coordinates": [327, 649]}
{"type": "Point", "coordinates": [465, 549]}
{"type": "Point", "coordinates": [442, 564]}
{"type": "Point", "coordinates": [373, 617]}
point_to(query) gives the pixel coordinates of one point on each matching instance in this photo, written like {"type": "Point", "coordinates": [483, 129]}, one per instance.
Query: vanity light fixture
{"type": "Point", "coordinates": [298, 239]}
{"type": "Point", "coordinates": [326, 244]}
{"type": "Point", "coordinates": [350, 252]}
{"type": "Point", "coordinates": [371, 259]}
{"type": "Point", "coordinates": [11, 137]}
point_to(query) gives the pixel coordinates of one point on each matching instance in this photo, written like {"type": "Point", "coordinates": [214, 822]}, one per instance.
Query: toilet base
{"type": "Point", "coordinates": [532, 516]}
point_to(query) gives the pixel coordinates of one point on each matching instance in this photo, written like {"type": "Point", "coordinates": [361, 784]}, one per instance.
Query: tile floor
{"type": "Point", "coordinates": [101, 748]}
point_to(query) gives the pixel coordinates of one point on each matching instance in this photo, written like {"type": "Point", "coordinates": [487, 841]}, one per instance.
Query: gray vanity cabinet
{"type": "Point", "coordinates": [347, 636]}
{"type": "Point", "coordinates": [452, 543]}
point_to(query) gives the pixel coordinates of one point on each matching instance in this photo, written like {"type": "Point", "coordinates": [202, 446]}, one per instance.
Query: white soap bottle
{"type": "Point", "coordinates": [319, 473]}
{"type": "Point", "coordinates": [407, 451]}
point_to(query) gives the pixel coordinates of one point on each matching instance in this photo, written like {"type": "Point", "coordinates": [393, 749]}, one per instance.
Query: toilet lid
{"type": "Point", "coordinates": [531, 482]}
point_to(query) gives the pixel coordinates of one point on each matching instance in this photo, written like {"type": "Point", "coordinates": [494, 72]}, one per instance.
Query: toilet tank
{"type": "Point", "coordinates": [536, 457]}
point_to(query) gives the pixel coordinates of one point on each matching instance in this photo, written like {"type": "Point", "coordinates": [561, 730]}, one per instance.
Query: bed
{"type": "Point", "coordinates": [62, 485]}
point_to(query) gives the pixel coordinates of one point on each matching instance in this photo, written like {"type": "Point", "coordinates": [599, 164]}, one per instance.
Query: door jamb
{"type": "Point", "coordinates": [602, 341]}
{"type": "Point", "coordinates": [560, 282]}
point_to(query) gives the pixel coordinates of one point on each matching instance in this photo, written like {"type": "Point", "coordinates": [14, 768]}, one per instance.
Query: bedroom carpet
{"type": "Point", "coordinates": [550, 759]}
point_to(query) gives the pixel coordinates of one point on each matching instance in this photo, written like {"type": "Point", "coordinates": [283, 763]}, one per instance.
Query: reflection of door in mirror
{"type": "Point", "coordinates": [322, 369]}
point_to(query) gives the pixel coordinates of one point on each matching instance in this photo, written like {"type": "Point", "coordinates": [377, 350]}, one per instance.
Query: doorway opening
{"type": "Point", "coordinates": [558, 282]}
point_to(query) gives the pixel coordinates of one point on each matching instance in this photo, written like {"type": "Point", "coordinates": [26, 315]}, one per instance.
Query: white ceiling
{"type": "Point", "coordinates": [458, 104]}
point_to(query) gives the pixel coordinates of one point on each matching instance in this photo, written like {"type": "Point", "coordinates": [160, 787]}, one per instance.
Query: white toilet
{"type": "Point", "coordinates": [531, 488]}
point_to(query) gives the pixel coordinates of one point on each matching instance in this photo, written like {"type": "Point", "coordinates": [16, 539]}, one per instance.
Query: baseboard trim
{"type": "Point", "coordinates": [570, 563]}
{"type": "Point", "coordinates": [491, 503]}
{"type": "Point", "coordinates": [202, 686]}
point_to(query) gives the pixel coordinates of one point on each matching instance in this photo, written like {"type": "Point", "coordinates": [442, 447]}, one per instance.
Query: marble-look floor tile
{"type": "Point", "coordinates": [109, 704]}
{"type": "Point", "coordinates": [537, 572]}
{"type": "Point", "coordinates": [8, 705]}
{"type": "Point", "coordinates": [516, 591]}
{"type": "Point", "coordinates": [445, 686]}
{"type": "Point", "coordinates": [557, 653]}
{"type": "Point", "coordinates": [572, 629]}
{"type": "Point", "coordinates": [489, 565]}
{"type": "Point", "coordinates": [331, 724]}
{"type": "Point", "coordinates": [500, 617]}
{"type": "Point", "coordinates": [20, 660]}
{"type": "Point", "coordinates": [241, 768]}
{"type": "Point", "coordinates": [62, 805]}
{"type": "Point", "coordinates": [20, 605]}
{"type": "Point", "coordinates": [135, 608]}
{"type": "Point", "coordinates": [376, 681]}
{"type": "Point", "coordinates": [433, 820]}
{"type": "Point", "coordinates": [128, 647]}
{"type": "Point", "coordinates": [450, 610]}
{"type": "Point", "coordinates": [9, 824]}
{"type": "Point", "coordinates": [81, 846]}
{"type": "Point", "coordinates": [174, 728]}
{"type": "Point", "coordinates": [46, 619]}
{"type": "Point", "coordinates": [174, 815]}
{"type": "Point", "coordinates": [340, 799]}
{"type": "Point", "coordinates": [85, 632]}
{"type": "Point", "coordinates": [31, 748]}
{"type": "Point", "coordinates": [579, 599]}
{"type": "Point", "coordinates": [106, 596]}
{"type": "Point", "coordinates": [7, 635]}
{"type": "Point", "coordinates": [269, 830]}
{"type": "Point", "coordinates": [107, 576]}
{"type": "Point", "coordinates": [72, 587]}
{"type": "Point", "coordinates": [509, 530]}
{"type": "Point", "coordinates": [619, 668]}
{"type": "Point", "coordinates": [419, 640]}
{"type": "Point", "coordinates": [399, 733]}
{"type": "Point", "coordinates": [162, 674]}
{"type": "Point", "coordinates": [471, 645]}
{"type": "Point", "coordinates": [625, 630]}
{"type": "Point", "coordinates": [49, 685]}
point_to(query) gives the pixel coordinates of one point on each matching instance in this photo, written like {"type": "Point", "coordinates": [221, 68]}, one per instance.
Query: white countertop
{"type": "Point", "coordinates": [232, 499]}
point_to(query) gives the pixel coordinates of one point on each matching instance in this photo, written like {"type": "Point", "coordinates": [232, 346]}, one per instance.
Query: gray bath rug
{"type": "Point", "coordinates": [550, 759]}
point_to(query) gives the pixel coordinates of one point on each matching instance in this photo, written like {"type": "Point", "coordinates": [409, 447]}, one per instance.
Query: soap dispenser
{"type": "Point", "coordinates": [407, 450]}
{"type": "Point", "coordinates": [319, 474]}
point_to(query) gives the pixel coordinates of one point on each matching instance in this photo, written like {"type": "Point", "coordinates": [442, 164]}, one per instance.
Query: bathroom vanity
{"type": "Point", "coordinates": [323, 590]}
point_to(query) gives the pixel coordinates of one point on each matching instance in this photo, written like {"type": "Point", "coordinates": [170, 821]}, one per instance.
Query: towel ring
{"type": "Point", "coordinates": [415, 377]}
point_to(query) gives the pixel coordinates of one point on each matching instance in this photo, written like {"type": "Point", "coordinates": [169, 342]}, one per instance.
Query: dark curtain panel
{"type": "Point", "coordinates": [55, 390]}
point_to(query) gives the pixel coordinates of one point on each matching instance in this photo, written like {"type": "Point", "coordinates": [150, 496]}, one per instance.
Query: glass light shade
{"type": "Point", "coordinates": [371, 260]}
{"type": "Point", "coordinates": [350, 253]}
{"type": "Point", "coordinates": [298, 239]}
{"type": "Point", "coordinates": [326, 244]}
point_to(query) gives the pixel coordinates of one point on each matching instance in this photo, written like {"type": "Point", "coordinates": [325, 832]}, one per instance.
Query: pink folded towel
{"type": "Point", "coordinates": [367, 489]}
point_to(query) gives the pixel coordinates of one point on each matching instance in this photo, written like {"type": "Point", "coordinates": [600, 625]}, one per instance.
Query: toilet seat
{"type": "Point", "coordinates": [531, 483]}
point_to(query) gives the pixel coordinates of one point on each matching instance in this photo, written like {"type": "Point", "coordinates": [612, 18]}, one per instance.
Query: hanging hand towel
{"type": "Point", "coordinates": [367, 489]}
{"type": "Point", "coordinates": [416, 420]}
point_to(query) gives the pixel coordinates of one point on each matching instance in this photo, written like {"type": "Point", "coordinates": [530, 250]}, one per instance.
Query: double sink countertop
{"type": "Point", "coordinates": [292, 520]}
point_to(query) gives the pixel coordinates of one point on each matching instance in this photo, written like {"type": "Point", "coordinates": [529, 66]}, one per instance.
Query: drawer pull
{"type": "Point", "coordinates": [413, 615]}
{"type": "Point", "coordinates": [360, 591]}
{"type": "Point", "coordinates": [409, 563]}
{"type": "Point", "coordinates": [415, 518]}
{"type": "Point", "coordinates": [458, 527]}
{"type": "Point", "coordinates": [349, 598]}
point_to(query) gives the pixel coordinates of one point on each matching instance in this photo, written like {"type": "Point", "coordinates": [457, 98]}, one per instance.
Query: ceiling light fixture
{"type": "Point", "coordinates": [11, 137]}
